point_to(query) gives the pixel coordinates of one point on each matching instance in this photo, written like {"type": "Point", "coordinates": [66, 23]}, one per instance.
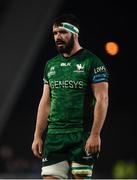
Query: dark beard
{"type": "Point", "coordinates": [66, 48]}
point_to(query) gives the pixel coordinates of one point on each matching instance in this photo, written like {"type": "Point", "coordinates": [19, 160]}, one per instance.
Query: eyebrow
{"type": "Point", "coordinates": [60, 30]}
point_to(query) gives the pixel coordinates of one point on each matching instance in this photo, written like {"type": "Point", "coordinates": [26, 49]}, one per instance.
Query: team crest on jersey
{"type": "Point", "coordinates": [79, 68]}
{"type": "Point", "coordinates": [51, 71]}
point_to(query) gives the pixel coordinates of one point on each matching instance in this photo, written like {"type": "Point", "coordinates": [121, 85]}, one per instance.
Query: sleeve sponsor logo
{"type": "Point", "coordinates": [99, 69]}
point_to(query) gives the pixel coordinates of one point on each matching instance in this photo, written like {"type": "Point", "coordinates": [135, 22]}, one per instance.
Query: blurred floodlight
{"type": "Point", "coordinates": [112, 48]}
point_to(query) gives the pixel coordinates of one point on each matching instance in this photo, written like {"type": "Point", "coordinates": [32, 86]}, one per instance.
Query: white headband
{"type": "Point", "coordinates": [69, 27]}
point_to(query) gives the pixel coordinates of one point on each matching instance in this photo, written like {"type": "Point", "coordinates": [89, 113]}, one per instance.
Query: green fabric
{"type": "Point", "coordinates": [66, 147]}
{"type": "Point", "coordinates": [72, 102]}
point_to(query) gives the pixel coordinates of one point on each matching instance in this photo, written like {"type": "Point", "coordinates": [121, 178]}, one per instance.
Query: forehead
{"type": "Point", "coordinates": [55, 27]}
{"type": "Point", "coordinates": [58, 28]}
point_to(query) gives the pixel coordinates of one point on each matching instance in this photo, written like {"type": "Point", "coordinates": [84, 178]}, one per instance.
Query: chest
{"type": "Point", "coordinates": [68, 75]}
{"type": "Point", "coordinates": [68, 70]}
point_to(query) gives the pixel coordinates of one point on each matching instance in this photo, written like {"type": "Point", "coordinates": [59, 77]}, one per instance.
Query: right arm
{"type": "Point", "coordinates": [41, 122]}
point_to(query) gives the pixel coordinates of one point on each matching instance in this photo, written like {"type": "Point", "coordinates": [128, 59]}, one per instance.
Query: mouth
{"type": "Point", "coordinates": [59, 43]}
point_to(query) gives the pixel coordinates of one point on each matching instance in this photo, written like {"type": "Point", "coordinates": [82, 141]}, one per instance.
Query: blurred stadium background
{"type": "Point", "coordinates": [26, 43]}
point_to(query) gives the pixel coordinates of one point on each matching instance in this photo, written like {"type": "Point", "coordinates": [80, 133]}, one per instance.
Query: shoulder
{"type": "Point", "coordinates": [91, 56]}
{"type": "Point", "coordinates": [94, 63]}
{"type": "Point", "coordinates": [91, 59]}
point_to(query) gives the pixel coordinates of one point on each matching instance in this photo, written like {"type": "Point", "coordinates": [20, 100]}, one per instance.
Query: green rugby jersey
{"type": "Point", "coordinates": [72, 101]}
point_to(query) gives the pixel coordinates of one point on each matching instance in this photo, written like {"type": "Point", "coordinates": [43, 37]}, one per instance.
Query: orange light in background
{"type": "Point", "coordinates": [111, 48]}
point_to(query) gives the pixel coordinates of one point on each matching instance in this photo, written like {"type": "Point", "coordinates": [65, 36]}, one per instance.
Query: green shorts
{"type": "Point", "coordinates": [67, 147]}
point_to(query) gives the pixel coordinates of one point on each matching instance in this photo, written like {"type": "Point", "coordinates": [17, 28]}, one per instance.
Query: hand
{"type": "Point", "coordinates": [93, 144]}
{"type": "Point", "coordinates": [37, 147]}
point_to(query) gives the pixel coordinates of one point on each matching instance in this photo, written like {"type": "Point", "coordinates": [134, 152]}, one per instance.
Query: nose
{"type": "Point", "coordinates": [58, 36]}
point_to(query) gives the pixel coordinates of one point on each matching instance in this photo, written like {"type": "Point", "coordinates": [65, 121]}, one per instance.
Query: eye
{"type": "Point", "coordinates": [54, 32]}
{"type": "Point", "coordinates": [63, 32]}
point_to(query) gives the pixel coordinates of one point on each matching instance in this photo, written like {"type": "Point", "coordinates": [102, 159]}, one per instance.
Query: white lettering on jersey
{"type": "Point", "coordinates": [65, 64]}
{"type": "Point", "coordinates": [99, 69]}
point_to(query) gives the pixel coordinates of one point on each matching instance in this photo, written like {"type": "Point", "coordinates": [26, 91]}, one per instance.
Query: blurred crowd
{"type": "Point", "coordinates": [12, 166]}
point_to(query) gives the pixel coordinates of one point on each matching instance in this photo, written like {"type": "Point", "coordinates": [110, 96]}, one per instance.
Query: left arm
{"type": "Point", "coordinates": [100, 91]}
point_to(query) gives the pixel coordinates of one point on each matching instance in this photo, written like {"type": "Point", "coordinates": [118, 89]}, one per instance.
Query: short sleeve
{"type": "Point", "coordinates": [45, 77]}
{"type": "Point", "coordinates": [99, 73]}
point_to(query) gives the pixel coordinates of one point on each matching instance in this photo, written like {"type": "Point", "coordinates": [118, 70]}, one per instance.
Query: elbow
{"type": "Point", "coordinates": [103, 99]}
{"type": "Point", "coordinates": [106, 100]}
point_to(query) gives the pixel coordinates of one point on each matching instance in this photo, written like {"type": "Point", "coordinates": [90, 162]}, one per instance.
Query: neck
{"type": "Point", "coordinates": [76, 48]}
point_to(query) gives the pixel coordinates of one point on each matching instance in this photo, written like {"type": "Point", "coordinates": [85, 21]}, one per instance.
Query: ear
{"type": "Point", "coordinates": [75, 36]}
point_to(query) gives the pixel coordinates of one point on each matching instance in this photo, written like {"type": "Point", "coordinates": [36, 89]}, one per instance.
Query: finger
{"type": "Point", "coordinates": [99, 148]}
{"type": "Point", "coordinates": [37, 154]}
{"type": "Point", "coordinates": [40, 149]}
{"type": "Point", "coordinates": [88, 150]}
{"type": "Point", "coordinates": [95, 149]}
{"type": "Point", "coordinates": [36, 151]}
{"type": "Point", "coordinates": [92, 150]}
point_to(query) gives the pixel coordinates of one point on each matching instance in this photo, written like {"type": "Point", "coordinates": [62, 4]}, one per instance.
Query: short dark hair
{"type": "Point", "coordinates": [69, 18]}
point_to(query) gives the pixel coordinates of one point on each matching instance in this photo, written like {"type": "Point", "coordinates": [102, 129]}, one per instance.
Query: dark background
{"type": "Point", "coordinates": [25, 46]}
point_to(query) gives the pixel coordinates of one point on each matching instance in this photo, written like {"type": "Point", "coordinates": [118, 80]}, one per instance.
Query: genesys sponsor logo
{"type": "Point", "coordinates": [67, 84]}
